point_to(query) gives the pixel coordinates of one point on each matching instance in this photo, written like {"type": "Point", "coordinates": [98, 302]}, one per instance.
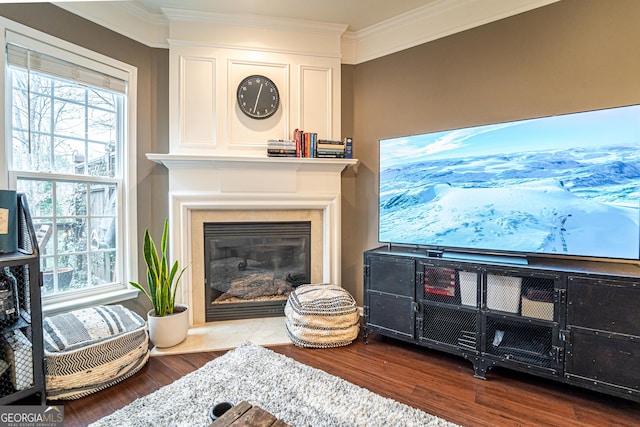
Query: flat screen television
{"type": "Point", "coordinates": [565, 186]}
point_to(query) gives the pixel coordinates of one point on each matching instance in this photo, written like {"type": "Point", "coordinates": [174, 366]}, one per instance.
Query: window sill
{"type": "Point", "coordinates": [89, 301]}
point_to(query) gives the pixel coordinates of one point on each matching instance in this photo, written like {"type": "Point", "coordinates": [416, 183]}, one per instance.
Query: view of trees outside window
{"type": "Point", "coordinates": [67, 140]}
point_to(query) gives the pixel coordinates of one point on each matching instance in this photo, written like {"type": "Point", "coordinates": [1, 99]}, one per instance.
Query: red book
{"type": "Point", "coordinates": [297, 137]}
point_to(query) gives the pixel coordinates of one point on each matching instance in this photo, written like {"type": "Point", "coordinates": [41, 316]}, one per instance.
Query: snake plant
{"type": "Point", "coordinates": [162, 281]}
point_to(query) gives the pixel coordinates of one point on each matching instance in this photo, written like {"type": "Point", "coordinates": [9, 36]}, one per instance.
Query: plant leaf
{"type": "Point", "coordinates": [162, 282]}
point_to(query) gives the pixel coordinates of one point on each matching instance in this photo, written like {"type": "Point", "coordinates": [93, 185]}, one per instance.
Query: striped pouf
{"type": "Point", "coordinates": [321, 316]}
{"type": "Point", "coordinates": [91, 349]}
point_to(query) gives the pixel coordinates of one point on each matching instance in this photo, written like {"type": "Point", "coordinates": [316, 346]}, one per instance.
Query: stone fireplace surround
{"type": "Point", "coordinates": [205, 188]}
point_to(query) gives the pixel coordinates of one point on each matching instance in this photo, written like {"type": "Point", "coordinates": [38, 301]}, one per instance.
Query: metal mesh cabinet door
{"type": "Point", "coordinates": [447, 295]}
{"type": "Point", "coordinates": [521, 311]}
{"type": "Point", "coordinates": [389, 295]}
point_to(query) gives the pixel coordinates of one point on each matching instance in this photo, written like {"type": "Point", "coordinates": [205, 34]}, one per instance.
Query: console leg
{"type": "Point", "coordinates": [480, 370]}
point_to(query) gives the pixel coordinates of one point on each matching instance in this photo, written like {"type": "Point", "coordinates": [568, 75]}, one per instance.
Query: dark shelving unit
{"type": "Point", "coordinates": [571, 321]}
{"type": "Point", "coordinates": [21, 349]}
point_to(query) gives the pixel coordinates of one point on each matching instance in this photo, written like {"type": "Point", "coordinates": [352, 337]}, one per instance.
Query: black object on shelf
{"type": "Point", "coordinates": [8, 221]}
{"type": "Point", "coordinates": [9, 308]}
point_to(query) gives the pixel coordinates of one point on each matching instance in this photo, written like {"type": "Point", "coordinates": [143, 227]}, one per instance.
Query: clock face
{"type": "Point", "coordinates": [258, 97]}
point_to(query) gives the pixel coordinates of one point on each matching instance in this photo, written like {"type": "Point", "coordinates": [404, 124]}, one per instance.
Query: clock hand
{"type": "Point", "coordinates": [257, 98]}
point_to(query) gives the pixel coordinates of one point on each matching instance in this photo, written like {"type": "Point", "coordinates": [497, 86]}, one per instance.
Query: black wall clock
{"type": "Point", "coordinates": [258, 97]}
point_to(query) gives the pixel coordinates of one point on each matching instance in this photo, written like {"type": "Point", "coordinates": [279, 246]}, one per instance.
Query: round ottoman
{"type": "Point", "coordinates": [91, 349]}
{"type": "Point", "coordinates": [321, 316]}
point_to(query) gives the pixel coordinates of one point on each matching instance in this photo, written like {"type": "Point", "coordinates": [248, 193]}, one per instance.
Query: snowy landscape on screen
{"type": "Point", "coordinates": [475, 188]}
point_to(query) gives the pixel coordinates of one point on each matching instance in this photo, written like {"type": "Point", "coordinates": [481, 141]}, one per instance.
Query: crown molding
{"type": "Point", "coordinates": [126, 18]}
{"type": "Point", "coordinates": [239, 31]}
{"type": "Point", "coordinates": [433, 21]}
{"type": "Point", "coordinates": [349, 47]}
{"type": "Point", "coordinates": [256, 21]}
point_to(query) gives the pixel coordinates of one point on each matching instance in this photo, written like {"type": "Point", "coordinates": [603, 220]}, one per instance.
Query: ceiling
{"type": "Point", "coordinates": [357, 14]}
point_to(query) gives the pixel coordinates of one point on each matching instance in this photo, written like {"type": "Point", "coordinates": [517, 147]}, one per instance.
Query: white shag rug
{"type": "Point", "coordinates": [298, 394]}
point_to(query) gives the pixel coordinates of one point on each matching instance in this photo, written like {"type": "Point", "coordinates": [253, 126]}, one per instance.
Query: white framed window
{"type": "Point", "coordinates": [70, 148]}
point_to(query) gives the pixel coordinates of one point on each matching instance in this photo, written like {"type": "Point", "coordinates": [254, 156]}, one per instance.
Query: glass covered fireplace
{"type": "Point", "coordinates": [252, 267]}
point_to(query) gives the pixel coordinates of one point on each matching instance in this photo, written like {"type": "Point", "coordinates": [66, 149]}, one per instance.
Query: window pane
{"type": "Point", "coordinates": [103, 267]}
{"type": "Point", "coordinates": [69, 119]}
{"type": "Point", "coordinates": [41, 113]}
{"type": "Point", "coordinates": [103, 233]}
{"type": "Point", "coordinates": [46, 266]}
{"type": "Point", "coordinates": [72, 235]}
{"type": "Point", "coordinates": [101, 160]}
{"type": "Point", "coordinates": [20, 120]}
{"type": "Point", "coordinates": [66, 152]}
{"type": "Point", "coordinates": [103, 201]}
{"type": "Point", "coordinates": [44, 231]}
{"type": "Point", "coordinates": [101, 125]}
{"type": "Point", "coordinates": [79, 266]}
{"type": "Point", "coordinates": [102, 99]}
{"type": "Point", "coordinates": [69, 91]}
{"type": "Point", "coordinates": [71, 272]}
{"type": "Point", "coordinates": [82, 227]}
{"type": "Point", "coordinates": [40, 84]}
{"type": "Point", "coordinates": [31, 113]}
{"type": "Point", "coordinates": [71, 198]}
{"type": "Point", "coordinates": [39, 195]}
{"type": "Point", "coordinates": [83, 123]}
{"type": "Point", "coordinates": [40, 159]}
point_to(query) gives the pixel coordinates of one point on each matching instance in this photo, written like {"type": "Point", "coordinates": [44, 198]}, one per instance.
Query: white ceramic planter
{"type": "Point", "coordinates": [167, 331]}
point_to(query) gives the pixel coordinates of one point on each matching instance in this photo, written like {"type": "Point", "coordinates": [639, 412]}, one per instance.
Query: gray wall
{"type": "Point", "coordinates": [569, 56]}
{"type": "Point", "coordinates": [153, 101]}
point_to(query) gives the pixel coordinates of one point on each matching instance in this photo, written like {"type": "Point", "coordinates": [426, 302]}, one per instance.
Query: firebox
{"type": "Point", "coordinates": [252, 267]}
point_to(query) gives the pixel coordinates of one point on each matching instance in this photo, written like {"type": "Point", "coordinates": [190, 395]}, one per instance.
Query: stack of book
{"type": "Point", "coordinates": [281, 148]}
{"type": "Point", "coordinates": [307, 144]}
{"type": "Point", "coordinates": [331, 148]}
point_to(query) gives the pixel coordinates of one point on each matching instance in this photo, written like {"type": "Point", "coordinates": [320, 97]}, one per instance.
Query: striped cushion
{"type": "Point", "coordinates": [77, 329]}
{"type": "Point", "coordinates": [88, 350]}
{"type": "Point", "coordinates": [321, 316]}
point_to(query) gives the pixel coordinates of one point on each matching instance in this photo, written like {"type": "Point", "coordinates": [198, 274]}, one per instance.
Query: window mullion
{"type": "Point", "coordinates": [87, 237]}
{"type": "Point", "coordinates": [66, 177]}
{"type": "Point", "coordinates": [54, 236]}
{"type": "Point", "coordinates": [52, 113]}
{"type": "Point", "coordinates": [29, 148]}
{"type": "Point", "coordinates": [86, 132]}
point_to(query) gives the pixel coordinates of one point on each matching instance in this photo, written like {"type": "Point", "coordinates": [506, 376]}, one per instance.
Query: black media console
{"type": "Point", "coordinates": [572, 321]}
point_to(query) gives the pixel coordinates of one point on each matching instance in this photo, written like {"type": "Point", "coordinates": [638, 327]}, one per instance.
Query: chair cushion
{"type": "Point", "coordinates": [321, 316]}
{"type": "Point", "coordinates": [90, 349]}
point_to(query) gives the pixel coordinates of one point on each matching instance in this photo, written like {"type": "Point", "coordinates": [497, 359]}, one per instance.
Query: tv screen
{"type": "Point", "coordinates": [564, 185]}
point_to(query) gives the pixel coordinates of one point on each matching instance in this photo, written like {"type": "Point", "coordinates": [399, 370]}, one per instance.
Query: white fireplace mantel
{"type": "Point", "coordinates": [175, 161]}
{"type": "Point", "coordinates": [215, 183]}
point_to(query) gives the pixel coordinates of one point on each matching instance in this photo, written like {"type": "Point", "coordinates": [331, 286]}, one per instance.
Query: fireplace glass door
{"type": "Point", "coordinates": [252, 267]}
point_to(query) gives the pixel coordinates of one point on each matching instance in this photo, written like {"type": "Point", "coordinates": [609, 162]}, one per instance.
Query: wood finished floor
{"type": "Point", "coordinates": [437, 383]}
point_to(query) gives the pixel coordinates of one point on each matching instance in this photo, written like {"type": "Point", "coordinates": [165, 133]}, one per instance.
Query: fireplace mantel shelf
{"type": "Point", "coordinates": [176, 161]}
